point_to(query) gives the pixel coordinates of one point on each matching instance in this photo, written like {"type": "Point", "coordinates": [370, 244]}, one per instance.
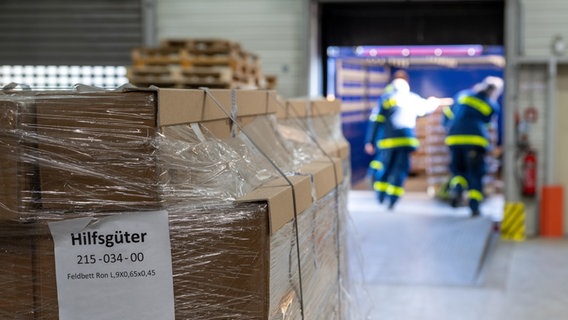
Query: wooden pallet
{"type": "Point", "coordinates": [147, 56]}
{"type": "Point", "coordinates": [213, 61]}
{"type": "Point", "coordinates": [202, 45]}
{"type": "Point", "coordinates": [151, 74]}
{"type": "Point", "coordinates": [162, 83]}
{"type": "Point", "coordinates": [207, 75]}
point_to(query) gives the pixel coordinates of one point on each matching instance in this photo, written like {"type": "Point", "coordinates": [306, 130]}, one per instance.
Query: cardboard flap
{"type": "Point", "coordinates": [343, 150]}
{"type": "Point", "coordinates": [274, 103]}
{"type": "Point", "coordinates": [248, 102]}
{"type": "Point", "coordinates": [280, 204]}
{"type": "Point", "coordinates": [339, 148]}
{"type": "Point", "coordinates": [304, 107]}
{"type": "Point", "coordinates": [323, 176]}
{"type": "Point", "coordinates": [323, 106]}
{"type": "Point", "coordinates": [336, 163]}
{"type": "Point", "coordinates": [302, 190]}
{"type": "Point", "coordinates": [278, 194]}
{"type": "Point", "coordinates": [297, 108]}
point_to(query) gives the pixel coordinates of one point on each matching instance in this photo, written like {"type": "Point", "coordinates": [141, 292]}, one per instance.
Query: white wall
{"type": "Point", "coordinates": [532, 92]}
{"type": "Point", "coordinates": [543, 19]}
{"type": "Point", "coordinates": [276, 30]}
{"type": "Point", "coordinates": [561, 159]}
{"type": "Point", "coordinates": [540, 21]}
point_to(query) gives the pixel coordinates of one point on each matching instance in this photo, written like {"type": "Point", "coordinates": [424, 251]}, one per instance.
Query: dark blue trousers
{"type": "Point", "coordinates": [468, 168]}
{"type": "Point", "coordinates": [396, 163]}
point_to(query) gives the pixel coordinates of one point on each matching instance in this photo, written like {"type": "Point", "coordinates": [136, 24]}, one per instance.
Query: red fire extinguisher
{"type": "Point", "coordinates": [528, 181]}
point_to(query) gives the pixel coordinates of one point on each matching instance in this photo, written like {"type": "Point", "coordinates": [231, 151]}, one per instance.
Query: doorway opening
{"type": "Point", "coordinates": [441, 44]}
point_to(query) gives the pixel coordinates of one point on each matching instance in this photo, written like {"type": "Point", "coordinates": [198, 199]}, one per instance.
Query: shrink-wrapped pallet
{"type": "Point", "coordinates": [235, 223]}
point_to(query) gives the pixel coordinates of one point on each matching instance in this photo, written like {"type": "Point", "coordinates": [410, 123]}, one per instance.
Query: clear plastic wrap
{"type": "Point", "coordinates": [315, 123]}
{"type": "Point", "coordinates": [313, 280]}
{"type": "Point", "coordinates": [310, 124]}
{"type": "Point", "coordinates": [72, 154]}
{"type": "Point", "coordinates": [319, 265]}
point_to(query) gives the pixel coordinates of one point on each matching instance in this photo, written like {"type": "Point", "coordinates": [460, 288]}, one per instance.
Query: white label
{"type": "Point", "coordinates": [116, 267]}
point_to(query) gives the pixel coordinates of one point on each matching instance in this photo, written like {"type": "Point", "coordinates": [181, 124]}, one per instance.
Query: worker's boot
{"type": "Point", "coordinates": [392, 202]}
{"type": "Point", "coordinates": [456, 196]}
{"type": "Point", "coordinates": [455, 199]}
{"type": "Point", "coordinates": [381, 196]}
{"type": "Point", "coordinates": [474, 206]}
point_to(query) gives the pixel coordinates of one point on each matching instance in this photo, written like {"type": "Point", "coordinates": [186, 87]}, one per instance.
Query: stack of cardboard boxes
{"type": "Point", "coordinates": [437, 154]}
{"type": "Point", "coordinates": [250, 237]}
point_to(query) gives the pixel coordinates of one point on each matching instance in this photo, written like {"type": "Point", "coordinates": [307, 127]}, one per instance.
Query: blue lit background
{"type": "Point", "coordinates": [434, 72]}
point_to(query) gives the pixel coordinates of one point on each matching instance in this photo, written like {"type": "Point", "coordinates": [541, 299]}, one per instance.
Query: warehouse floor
{"type": "Point", "coordinates": [422, 239]}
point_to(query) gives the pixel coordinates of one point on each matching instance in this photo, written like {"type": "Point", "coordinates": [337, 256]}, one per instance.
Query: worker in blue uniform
{"type": "Point", "coordinates": [467, 122]}
{"type": "Point", "coordinates": [392, 130]}
{"type": "Point", "coordinates": [375, 133]}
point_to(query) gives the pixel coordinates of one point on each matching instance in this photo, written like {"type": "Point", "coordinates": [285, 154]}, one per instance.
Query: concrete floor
{"type": "Point", "coordinates": [518, 280]}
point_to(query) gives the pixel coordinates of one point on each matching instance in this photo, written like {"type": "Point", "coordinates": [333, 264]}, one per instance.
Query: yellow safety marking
{"type": "Point", "coordinates": [398, 142]}
{"type": "Point", "coordinates": [380, 186]}
{"type": "Point", "coordinates": [466, 139]}
{"type": "Point", "coordinates": [377, 118]}
{"type": "Point", "coordinates": [475, 195]}
{"type": "Point", "coordinates": [395, 190]}
{"type": "Point", "coordinates": [389, 103]}
{"type": "Point", "coordinates": [375, 164]}
{"type": "Point", "coordinates": [448, 112]}
{"type": "Point", "coordinates": [458, 180]}
{"type": "Point", "coordinates": [477, 104]}
{"type": "Point", "coordinates": [513, 224]}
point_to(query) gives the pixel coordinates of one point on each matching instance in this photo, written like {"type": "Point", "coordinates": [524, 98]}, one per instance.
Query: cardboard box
{"type": "Point", "coordinates": [78, 134]}
{"type": "Point", "coordinates": [340, 149]}
{"type": "Point", "coordinates": [96, 151]}
{"type": "Point", "coordinates": [215, 273]}
{"type": "Point", "coordinates": [16, 278]}
{"type": "Point", "coordinates": [226, 273]}
{"type": "Point", "coordinates": [18, 168]}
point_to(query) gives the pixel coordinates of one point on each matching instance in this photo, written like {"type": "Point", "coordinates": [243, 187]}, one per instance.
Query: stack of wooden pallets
{"type": "Point", "coordinates": [194, 63]}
